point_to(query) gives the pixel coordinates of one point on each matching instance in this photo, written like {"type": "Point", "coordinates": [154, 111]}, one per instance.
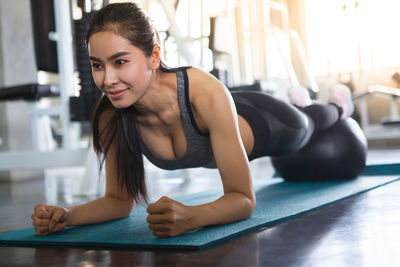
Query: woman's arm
{"type": "Point", "coordinates": [214, 104]}
{"type": "Point", "coordinates": [218, 112]}
{"type": "Point", "coordinates": [116, 203]}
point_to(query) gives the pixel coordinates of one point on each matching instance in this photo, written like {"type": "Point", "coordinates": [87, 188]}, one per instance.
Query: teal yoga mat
{"type": "Point", "coordinates": [276, 201]}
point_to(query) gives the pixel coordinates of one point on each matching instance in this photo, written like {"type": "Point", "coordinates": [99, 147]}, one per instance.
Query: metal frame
{"type": "Point", "coordinates": [378, 131]}
{"type": "Point", "coordinates": [181, 42]}
{"type": "Point", "coordinates": [70, 154]}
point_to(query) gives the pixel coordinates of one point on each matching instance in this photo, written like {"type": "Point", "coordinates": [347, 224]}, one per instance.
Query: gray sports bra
{"type": "Point", "coordinates": [199, 151]}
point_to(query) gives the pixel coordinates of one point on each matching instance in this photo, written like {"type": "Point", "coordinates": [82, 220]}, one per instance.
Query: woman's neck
{"type": "Point", "coordinates": [159, 101]}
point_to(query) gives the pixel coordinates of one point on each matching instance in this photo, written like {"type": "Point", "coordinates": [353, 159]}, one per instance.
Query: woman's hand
{"type": "Point", "coordinates": [168, 218]}
{"type": "Point", "coordinates": [48, 219]}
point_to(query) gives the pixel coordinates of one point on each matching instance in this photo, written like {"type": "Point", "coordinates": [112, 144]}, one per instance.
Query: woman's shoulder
{"type": "Point", "coordinates": [206, 93]}
{"type": "Point", "coordinates": [198, 76]}
{"type": "Point", "coordinates": [203, 85]}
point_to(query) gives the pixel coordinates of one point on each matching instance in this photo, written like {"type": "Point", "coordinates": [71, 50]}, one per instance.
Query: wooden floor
{"type": "Point", "coordinates": [360, 231]}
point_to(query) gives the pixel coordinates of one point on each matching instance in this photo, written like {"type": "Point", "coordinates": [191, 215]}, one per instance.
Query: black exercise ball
{"type": "Point", "coordinates": [338, 153]}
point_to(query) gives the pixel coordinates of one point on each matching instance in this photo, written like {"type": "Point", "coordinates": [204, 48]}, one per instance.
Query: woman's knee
{"type": "Point", "coordinates": [339, 153]}
{"type": "Point", "coordinates": [324, 116]}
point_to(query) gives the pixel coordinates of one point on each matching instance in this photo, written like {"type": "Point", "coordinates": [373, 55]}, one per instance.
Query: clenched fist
{"type": "Point", "coordinates": [168, 218]}
{"type": "Point", "coordinates": [48, 219]}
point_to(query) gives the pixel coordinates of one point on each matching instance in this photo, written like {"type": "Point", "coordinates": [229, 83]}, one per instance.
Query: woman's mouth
{"type": "Point", "coordinates": [116, 93]}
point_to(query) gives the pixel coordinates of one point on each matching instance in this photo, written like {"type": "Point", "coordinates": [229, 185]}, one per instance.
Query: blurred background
{"type": "Point", "coordinates": [47, 93]}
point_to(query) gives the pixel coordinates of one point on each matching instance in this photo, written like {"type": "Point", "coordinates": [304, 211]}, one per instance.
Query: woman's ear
{"type": "Point", "coordinates": [156, 57]}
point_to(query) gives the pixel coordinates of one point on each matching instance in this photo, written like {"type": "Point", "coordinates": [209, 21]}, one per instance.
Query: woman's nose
{"type": "Point", "coordinates": [110, 77]}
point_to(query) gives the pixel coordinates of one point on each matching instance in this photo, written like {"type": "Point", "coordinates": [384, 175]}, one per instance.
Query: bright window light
{"type": "Point", "coordinates": [352, 36]}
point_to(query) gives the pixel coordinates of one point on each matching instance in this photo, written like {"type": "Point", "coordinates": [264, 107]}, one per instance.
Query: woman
{"type": "Point", "coordinates": [178, 118]}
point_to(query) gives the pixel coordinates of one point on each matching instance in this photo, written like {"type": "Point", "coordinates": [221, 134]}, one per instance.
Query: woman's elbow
{"type": "Point", "coordinates": [250, 206]}
{"type": "Point", "coordinates": [129, 208]}
{"type": "Point", "coordinates": [126, 207]}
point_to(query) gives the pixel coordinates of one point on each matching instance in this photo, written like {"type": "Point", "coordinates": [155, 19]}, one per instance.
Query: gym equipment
{"type": "Point", "coordinates": [338, 153]}
{"type": "Point", "coordinates": [43, 22]}
{"type": "Point", "coordinates": [80, 107]}
{"type": "Point", "coordinates": [70, 154]}
{"type": "Point", "coordinates": [29, 92]}
{"type": "Point", "coordinates": [385, 129]}
{"type": "Point", "coordinates": [277, 201]}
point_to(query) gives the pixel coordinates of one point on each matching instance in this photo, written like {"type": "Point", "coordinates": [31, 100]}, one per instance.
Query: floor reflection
{"type": "Point", "coordinates": [360, 231]}
{"type": "Point", "coordinates": [242, 251]}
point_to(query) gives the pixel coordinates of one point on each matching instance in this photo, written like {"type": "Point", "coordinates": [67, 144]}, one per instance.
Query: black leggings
{"type": "Point", "coordinates": [280, 128]}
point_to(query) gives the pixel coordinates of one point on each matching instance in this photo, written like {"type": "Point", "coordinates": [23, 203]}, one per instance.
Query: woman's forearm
{"type": "Point", "coordinates": [99, 210]}
{"type": "Point", "coordinates": [229, 208]}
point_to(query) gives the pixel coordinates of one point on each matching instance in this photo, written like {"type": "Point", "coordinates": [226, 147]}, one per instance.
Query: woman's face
{"type": "Point", "coordinates": [120, 69]}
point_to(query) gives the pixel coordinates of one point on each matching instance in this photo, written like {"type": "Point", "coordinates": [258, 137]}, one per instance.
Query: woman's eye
{"type": "Point", "coordinates": [120, 61]}
{"type": "Point", "coordinates": [95, 65]}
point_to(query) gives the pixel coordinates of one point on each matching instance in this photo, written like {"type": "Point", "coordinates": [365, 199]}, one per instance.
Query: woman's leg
{"type": "Point", "coordinates": [324, 116]}
{"type": "Point", "coordinates": [278, 127]}
{"type": "Point", "coordinates": [311, 143]}
{"type": "Point", "coordinates": [339, 153]}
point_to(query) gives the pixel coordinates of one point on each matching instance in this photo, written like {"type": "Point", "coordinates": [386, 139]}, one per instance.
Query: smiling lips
{"type": "Point", "coordinates": [117, 93]}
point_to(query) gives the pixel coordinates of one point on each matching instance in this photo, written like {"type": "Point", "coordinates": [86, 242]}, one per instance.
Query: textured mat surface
{"type": "Point", "coordinates": [276, 201]}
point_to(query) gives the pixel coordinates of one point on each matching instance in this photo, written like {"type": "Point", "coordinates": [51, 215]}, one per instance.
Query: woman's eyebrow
{"type": "Point", "coordinates": [119, 54]}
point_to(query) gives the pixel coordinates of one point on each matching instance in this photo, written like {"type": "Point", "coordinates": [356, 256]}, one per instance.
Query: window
{"type": "Point", "coordinates": [352, 36]}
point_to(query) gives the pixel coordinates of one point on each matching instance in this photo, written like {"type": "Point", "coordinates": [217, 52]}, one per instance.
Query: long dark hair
{"type": "Point", "coordinates": [130, 22]}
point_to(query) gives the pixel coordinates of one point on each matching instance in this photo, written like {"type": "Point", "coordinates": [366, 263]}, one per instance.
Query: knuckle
{"type": "Point", "coordinates": [42, 223]}
{"type": "Point", "coordinates": [164, 198]}
{"type": "Point", "coordinates": [149, 207]}
{"type": "Point", "coordinates": [169, 207]}
{"type": "Point", "coordinates": [171, 217]}
{"type": "Point", "coordinates": [174, 217]}
{"type": "Point", "coordinates": [40, 214]}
